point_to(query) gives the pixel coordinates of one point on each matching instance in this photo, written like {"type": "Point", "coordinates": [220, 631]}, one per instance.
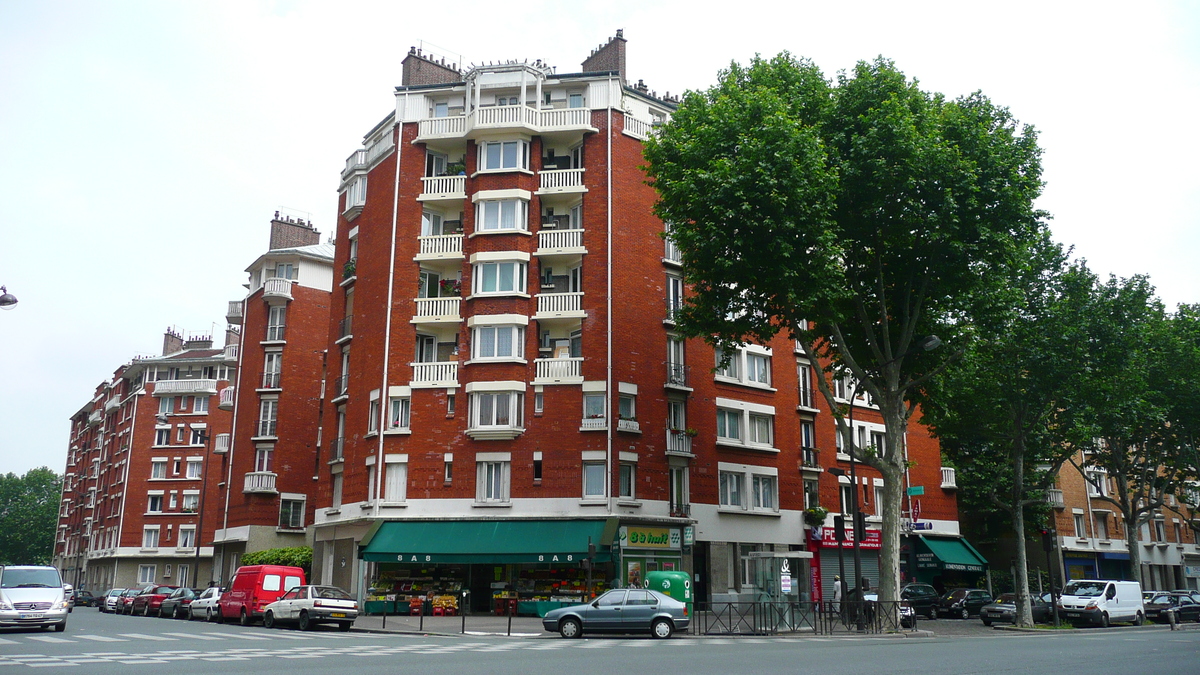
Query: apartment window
{"type": "Point", "coordinates": [674, 296]}
{"type": "Point", "coordinates": [371, 482]}
{"type": "Point", "coordinates": [1160, 531]}
{"type": "Point", "coordinates": [731, 489]}
{"type": "Point", "coordinates": [166, 405]}
{"type": "Point", "coordinates": [276, 320]}
{"type": "Point", "coordinates": [501, 155]}
{"type": "Point", "coordinates": [147, 574]}
{"type": "Point", "coordinates": [593, 406]}
{"type": "Point", "coordinates": [173, 500]}
{"type": "Point", "coordinates": [574, 100]}
{"type": "Point", "coordinates": [282, 271]}
{"type": "Point", "coordinates": [879, 500]}
{"type": "Point", "coordinates": [539, 402]}
{"type": "Point", "coordinates": [496, 409]}
{"type": "Point", "coordinates": [1097, 484]}
{"type": "Point", "coordinates": [500, 277]}
{"type": "Point", "coordinates": [1178, 532]}
{"type": "Point", "coordinates": [758, 368]}
{"type": "Point", "coordinates": [537, 467]}
{"type": "Point", "coordinates": [395, 480]}
{"type": "Point", "coordinates": [846, 492]}
{"type": "Point", "coordinates": [448, 468]}
{"type": "Point", "coordinates": [185, 575]}
{"type": "Point", "coordinates": [190, 503]}
{"type": "Point", "coordinates": [499, 342]}
{"type": "Point", "coordinates": [1102, 526]}
{"type": "Point", "coordinates": [808, 435]}
{"type": "Point", "coordinates": [1080, 529]}
{"type": "Point", "coordinates": [747, 365]}
{"type": "Point", "coordinates": [373, 416]}
{"type": "Point", "coordinates": [291, 514]}
{"type": "Point", "coordinates": [879, 443]}
{"type": "Point", "coordinates": [804, 380]}
{"type": "Point", "coordinates": [150, 536]}
{"type": "Point", "coordinates": [268, 413]}
{"type": "Point", "coordinates": [729, 424]}
{"type": "Point", "coordinates": [197, 437]}
{"type": "Point", "coordinates": [628, 481]}
{"type": "Point", "coordinates": [760, 429]}
{"type": "Point", "coordinates": [158, 469]}
{"type": "Point", "coordinates": [676, 370]}
{"type": "Point", "coordinates": [337, 490]}
{"type": "Point", "coordinates": [356, 193]}
{"type": "Point", "coordinates": [154, 504]}
{"type": "Point", "coordinates": [179, 432]}
{"type": "Point", "coordinates": [812, 494]}
{"type": "Point", "coordinates": [263, 458]}
{"type": "Point", "coordinates": [492, 480]}
{"type": "Point", "coordinates": [730, 369]}
{"type": "Point", "coordinates": [431, 224]}
{"type": "Point", "coordinates": [193, 468]}
{"type": "Point", "coordinates": [272, 367]}
{"type": "Point", "coordinates": [593, 480]}
{"type": "Point", "coordinates": [764, 493]}
{"type": "Point", "coordinates": [187, 537]}
{"type": "Point", "coordinates": [201, 404]}
{"type": "Point", "coordinates": [679, 487]}
{"type": "Point", "coordinates": [627, 406]}
{"type": "Point", "coordinates": [841, 387]}
{"type": "Point", "coordinates": [502, 214]}
{"type": "Point", "coordinates": [676, 414]}
{"type": "Point", "coordinates": [399, 408]}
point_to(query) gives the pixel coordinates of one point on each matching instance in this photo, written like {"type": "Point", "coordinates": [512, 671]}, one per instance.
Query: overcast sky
{"type": "Point", "coordinates": [144, 146]}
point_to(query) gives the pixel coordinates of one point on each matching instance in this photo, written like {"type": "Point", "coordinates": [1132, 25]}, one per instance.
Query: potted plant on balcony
{"type": "Point", "coordinates": [450, 287]}
{"type": "Point", "coordinates": [815, 517]}
{"type": "Point", "coordinates": [456, 169]}
{"type": "Point", "coordinates": [349, 269]}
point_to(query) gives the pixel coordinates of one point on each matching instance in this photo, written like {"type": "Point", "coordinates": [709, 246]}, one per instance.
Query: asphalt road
{"type": "Point", "coordinates": [102, 643]}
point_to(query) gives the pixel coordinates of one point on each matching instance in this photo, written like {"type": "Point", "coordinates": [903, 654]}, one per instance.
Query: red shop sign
{"type": "Point", "coordinates": [823, 537]}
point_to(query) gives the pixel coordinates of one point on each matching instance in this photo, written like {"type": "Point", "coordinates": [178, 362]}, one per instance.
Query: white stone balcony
{"type": "Point", "coordinates": [234, 313]}
{"type": "Point", "coordinates": [440, 247]}
{"type": "Point", "coordinates": [112, 404]}
{"type": "Point", "coordinates": [221, 444]}
{"type": "Point", "coordinates": [357, 161]}
{"type": "Point", "coordinates": [94, 417]}
{"type": "Point", "coordinates": [948, 479]}
{"type": "Point", "coordinates": [177, 387]}
{"type": "Point", "coordinates": [434, 188]}
{"type": "Point", "coordinates": [593, 424]}
{"type": "Point", "coordinates": [277, 287]}
{"type": "Point", "coordinates": [559, 306]}
{"type": "Point", "coordinates": [639, 129]}
{"type": "Point", "coordinates": [560, 242]}
{"type": "Point", "coordinates": [559, 371]}
{"type": "Point", "coordinates": [435, 374]}
{"type": "Point", "coordinates": [437, 310]}
{"type": "Point", "coordinates": [231, 353]}
{"type": "Point", "coordinates": [225, 402]}
{"type": "Point", "coordinates": [260, 482]}
{"type": "Point", "coordinates": [629, 425]}
{"type": "Point", "coordinates": [508, 117]}
{"type": "Point", "coordinates": [1055, 498]}
{"type": "Point", "coordinates": [678, 442]}
{"type": "Point", "coordinates": [559, 181]}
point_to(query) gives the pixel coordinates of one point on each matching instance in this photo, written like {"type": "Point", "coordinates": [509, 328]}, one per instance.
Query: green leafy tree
{"type": "Point", "coordinates": [293, 556]}
{"type": "Point", "coordinates": [998, 408]}
{"type": "Point", "coordinates": [860, 217]}
{"type": "Point", "coordinates": [29, 516]}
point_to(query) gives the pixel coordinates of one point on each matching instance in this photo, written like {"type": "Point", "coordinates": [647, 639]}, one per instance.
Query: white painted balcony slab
{"type": "Point", "coordinates": [1055, 498]}
{"type": "Point", "coordinates": [559, 371]}
{"type": "Point", "coordinates": [231, 353]}
{"type": "Point", "coordinates": [639, 129]}
{"type": "Point", "coordinates": [506, 117]}
{"type": "Point", "coordinates": [435, 374]}
{"type": "Point", "coordinates": [443, 187]}
{"type": "Point", "coordinates": [94, 417]}
{"type": "Point", "coordinates": [112, 404]}
{"type": "Point", "coordinates": [557, 181]}
{"type": "Point", "coordinates": [175, 387]}
{"type": "Point", "coordinates": [678, 443]}
{"type": "Point", "coordinates": [440, 247]}
{"type": "Point", "coordinates": [225, 402]}
{"type": "Point", "coordinates": [276, 287]}
{"type": "Point", "coordinates": [671, 253]}
{"type": "Point", "coordinates": [948, 479]}
{"type": "Point", "coordinates": [357, 161]}
{"type": "Point", "coordinates": [559, 306]}
{"type": "Point", "coordinates": [629, 425]}
{"type": "Point", "coordinates": [560, 242]}
{"type": "Point", "coordinates": [221, 444]}
{"type": "Point", "coordinates": [442, 127]}
{"type": "Point", "coordinates": [437, 310]}
{"type": "Point", "coordinates": [593, 424]}
{"type": "Point", "coordinates": [259, 482]}
{"type": "Point", "coordinates": [234, 313]}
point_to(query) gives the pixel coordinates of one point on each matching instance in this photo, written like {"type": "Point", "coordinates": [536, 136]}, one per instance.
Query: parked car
{"type": "Point", "coordinates": [308, 606]}
{"type": "Point", "coordinates": [922, 597]}
{"type": "Point", "coordinates": [621, 610]}
{"type": "Point", "coordinates": [125, 600]}
{"type": "Point", "coordinates": [908, 615]}
{"type": "Point", "coordinates": [205, 605]}
{"type": "Point", "coordinates": [86, 599]}
{"type": "Point", "coordinates": [148, 601]}
{"type": "Point", "coordinates": [32, 596]}
{"type": "Point", "coordinates": [253, 588]}
{"type": "Point", "coordinates": [963, 602]}
{"type": "Point", "coordinates": [175, 605]}
{"type": "Point", "coordinates": [108, 601]}
{"type": "Point", "coordinates": [1004, 609]}
{"type": "Point", "coordinates": [1185, 607]}
{"type": "Point", "coordinates": [1099, 602]}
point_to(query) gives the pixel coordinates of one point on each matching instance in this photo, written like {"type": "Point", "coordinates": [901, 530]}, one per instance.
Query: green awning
{"type": "Point", "coordinates": [953, 554]}
{"type": "Point", "coordinates": [487, 541]}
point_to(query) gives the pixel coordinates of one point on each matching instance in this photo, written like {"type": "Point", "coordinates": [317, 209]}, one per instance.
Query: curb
{"type": "Point", "coordinates": [685, 636]}
{"type": "Point", "coordinates": [1054, 631]}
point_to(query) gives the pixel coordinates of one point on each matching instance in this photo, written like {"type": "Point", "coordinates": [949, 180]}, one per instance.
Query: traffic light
{"type": "Point", "coordinates": [860, 526]}
{"type": "Point", "coordinates": [1047, 541]}
{"type": "Point", "coordinates": [839, 528]}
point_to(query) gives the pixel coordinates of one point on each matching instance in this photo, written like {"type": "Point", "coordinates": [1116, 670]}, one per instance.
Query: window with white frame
{"type": "Point", "coordinates": [291, 514]}
{"type": "Point", "coordinates": [272, 367]}
{"type": "Point", "coordinates": [492, 481]}
{"type": "Point", "coordinates": [150, 536]}
{"type": "Point", "coordinates": [162, 436]}
{"type": "Point", "coordinates": [758, 368]}
{"type": "Point", "coordinates": [812, 494]}
{"type": "Point", "coordinates": [627, 482]}
{"type": "Point", "coordinates": [172, 500]}
{"type": "Point", "coordinates": [166, 405]}
{"type": "Point", "coordinates": [1160, 531]}
{"type": "Point", "coordinates": [748, 365]}
{"type": "Point", "coordinates": [201, 405]}
{"type": "Point", "coordinates": [158, 468]}
{"type": "Point", "coordinates": [730, 369]}
{"type": "Point", "coordinates": [496, 215]}
{"type": "Point", "coordinates": [879, 500]}
{"type": "Point", "coordinates": [356, 193]}
{"type": "Point", "coordinates": [499, 278]}
{"type": "Point", "coordinates": [1080, 528]}
{"type": "Point", "coordinates": [154, 503]}
{"type": "Point", "coordinates": [187, 536]}
{"type": "Point", "coordinates": [147, 574]}
{"type": "Point", "coordinates": [276, 320]}
{"type": "Point", "coordinates": [1097, 483]}
{"type": "Point", "coordinates": [337, 490]}
{"type": "Point", "coordinates": [759, 430]}
{"type": "Point", "coordinates": [680, 489]}
{"type": "Point", "coordinates": [745, 424]}
{"type": "Point", "coordinates": [748, 488]}
{"type": "Point", "coordinates": [846, 495]}
{"type": "Point", "coordinates": [496, 409]}
{"type": "Point", "coordinates": [765, 493]}
{"type": "Point", "coordinates": [674, 296]}
{"type": "Point", "coordinates": [729, 425]}
{"type": "Point", "coordinates": [431, 224]}
{"type": "Point", "coordinates": [627, 406]}
{"type": "Point", "coordinates": [197, 436]}
{"type": "Point", "coordinates": [395, 480]}
{"type": "Point", "coordinates": [190, 503]}
{"type": "Point", "coordinates": [503, 155]}
{"type": "Point", "coordinates": [593, 480]}
{"type": "Point", "coordinates": [498, 342]}
{"type": "Point", "coordinates": [373, 415]}
{"type": "Point", "coordinates": [593, 406]}
{"type": "Point", "coordinates": [399, 410]}
{"type": "Point", "coordinates": [268, 414]}
{"type": "Point", "coordinates": [730, 483]}
{"type": "Point", "coordinates": [193, 468]}
{"type": "Point", "coordinates": [1101, 525]}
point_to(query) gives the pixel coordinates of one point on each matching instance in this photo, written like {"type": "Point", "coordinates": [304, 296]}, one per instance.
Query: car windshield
{"type": "Point", "coordinates": [1162, 599]}
{"type": "Point", "coordinates": [331, 593]}
{"type": "Point", "coordinates": [1085, 589]}
{"type": "Point", "coordinates": [955, 595]}
{"type": "Point", "coordinates": [1010, 598]}
{"type": "Point", "coordinates": [35, 578]}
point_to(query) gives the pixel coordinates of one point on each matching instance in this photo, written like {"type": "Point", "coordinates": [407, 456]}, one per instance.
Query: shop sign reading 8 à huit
{"type": "Point", "coordinates": [650, 537]}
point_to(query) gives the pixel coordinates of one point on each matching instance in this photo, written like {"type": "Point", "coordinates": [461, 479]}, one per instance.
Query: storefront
{"type": "Point", "coordinates": [525, 566]}
{"type": "Point", "coordinates": [1080, 565]}
{"type": "Point", "coordinates": [824, 544]}
{"type": "Point", "coordinates": [648, 549]}
{"type": "Point", "coordinates": [945, 562]}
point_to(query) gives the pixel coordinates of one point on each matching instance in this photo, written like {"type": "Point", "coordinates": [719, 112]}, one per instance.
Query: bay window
{"type": "Point", "coordinates": [501, 214]}
{"type": "Point", "coordinates": [499, 342]}
{"type": "Point", "coordinates": [503, 155]}
{"type": "Point", "coordinates": [499, 277]}
{"type": "Point", "coordinates": [748, 488]}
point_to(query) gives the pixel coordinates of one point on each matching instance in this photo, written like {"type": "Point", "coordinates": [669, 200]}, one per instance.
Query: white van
{"type": "Point", "coordinates": [32, 596]}
{"type": "Point", "coordinates": [1101, 602]}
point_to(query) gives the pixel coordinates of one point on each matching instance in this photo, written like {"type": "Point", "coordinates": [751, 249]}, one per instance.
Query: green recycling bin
{"type": "Point", "coordinates": [676, 585]}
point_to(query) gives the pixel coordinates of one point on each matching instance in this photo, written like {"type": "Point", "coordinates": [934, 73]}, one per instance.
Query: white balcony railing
{"type": "Point", "coordinates": [443, 126]}
{"type": "Point", "coordinates": [440, 246]}
{"type": "Point", "coordinates": [671, 252]}
{"type": "Point", "coordinates": [277, 287]}
{"type": "Point", "coordinates": [561, 179]}
{"type": "Point", "coordinates": [561, 371]}
{"type": "Point", "coordinates": [221, 444]}
{"type": "Point", "coordinates": [225, 401]}
{"type": "Point", "coordinates": [593, 424]}
{"type": "Point", "coordinates": [678, 442]}
{"type": "Point", "coordinates": [112, 404]}
{"type": "Point", "coordinates": [444, 185]}
{"type": "Point", "coordinates": [557, 241]}
{"type": "Point", "coordinates": [94, 417]}
{"type": "Point", "coordinates": [259, 481]}
{"type": "Point", "coordinates": [231, 352]}
{"type": "Point", "coordinates": [357, 160]}
{"type": "Point", "coordinates": [173, 387]}
{"type": "Point", "coordinates": [234, 313]}
{"type": "Point", "coordinates": [443, 309]}
{"type": "Point", "coordinates": [628, 425]}
{"type": "Point", "coordinates": [495, 117]}
{"type": "Point", "coordinates": [379, 148]}
{"type": "Point", "coordinates": [639, 129]}
{"type": "Point", "coordinates": [437, 373]}
{"type": "Point", "coordinates": [948, 479]}
{"type": "Point", "coordinates": [559, 304]}
{"type": "Point", "coordinates": [1055, 498]}
{"type": "Point", "coordinates": [503, 116]}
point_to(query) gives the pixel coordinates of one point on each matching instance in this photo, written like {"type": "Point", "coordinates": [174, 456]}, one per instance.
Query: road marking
{"type": "Point", "coordinates": [101, 638]}
{"type": "Point", "coordinates": [48, 638]}
{"type": "Point", "coordinates": [197, 636]}
{"type": "Point", "coordinates": [143, 636]}
{"type": "Point", "coordinates": [8, 642]}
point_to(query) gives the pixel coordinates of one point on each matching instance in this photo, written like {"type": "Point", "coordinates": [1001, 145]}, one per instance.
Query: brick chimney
{"type": "Point", "coordinates": [288, 232]}
{"type": "Point", "coordinates": [421, 69]}
{"type": "Point", "coordinates": [172, 342]}
{"type": "Point", "coordinates": [198, 342]}
{"type": "Point", "coordinates": [233, 335]}
{"type": "Point", "coordinates": [607, 57]}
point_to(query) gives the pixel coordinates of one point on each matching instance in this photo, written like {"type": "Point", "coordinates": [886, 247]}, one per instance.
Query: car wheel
{"type": "Point", "coordinates": [344, 627]}
{"type": "Point", "coordinates": [1104, 620]}
{"type": "Point", "coordinates": [304, 623]}
{"type": "Point", "coordinates": [570, 628]}
{"type": "Point", "coordinates": [60, 626]}
{"type": "Point", "coordinates": [180, 614]}
{"type": "Point", "coordinates": [269, 619]}
{"type": "Point", "coordinates": [987, 622]}
{"type": "Point", "coordinates": [211, 616]}
{"type": "Point", "coordinates": [662, 629]}
{"type": "Point", "coordinates": [933, 612]}
{"type": "Point", "coordinates": [1139, 619]}
{"type": "Point", "coordinates": [966, 613]}
{"type": "Point", "coordinates": [244, 618]}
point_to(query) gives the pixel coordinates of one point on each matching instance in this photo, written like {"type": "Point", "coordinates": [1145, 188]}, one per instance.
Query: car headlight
{"type": "Point", "coordinates": [61, 604]}
{"type": "Point", "coordinates": [4, 604]}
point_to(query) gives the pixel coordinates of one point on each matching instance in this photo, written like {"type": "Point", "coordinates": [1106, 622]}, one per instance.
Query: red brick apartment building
{"type": "Point", "coordinates": [507, 386]}
{"type": "Point", "coordinates": [137, 463]}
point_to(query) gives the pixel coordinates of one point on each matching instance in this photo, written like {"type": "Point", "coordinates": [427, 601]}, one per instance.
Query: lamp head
{"type": "Point", "coordinates": [7, 300]}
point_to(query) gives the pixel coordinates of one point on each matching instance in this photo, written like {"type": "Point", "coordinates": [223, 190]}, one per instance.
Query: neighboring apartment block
{"type": "Point", "coordinates": [137, 504]}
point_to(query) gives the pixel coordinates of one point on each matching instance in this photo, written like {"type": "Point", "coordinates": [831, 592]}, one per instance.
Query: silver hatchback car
{"type": "Point", "coordinates": [633, 610]}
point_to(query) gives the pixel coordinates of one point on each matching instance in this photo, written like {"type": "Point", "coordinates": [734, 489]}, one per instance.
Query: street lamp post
{"type": "Point", "coordinates": [205, 437]}
{"type": "Point", "coordinates": [7, 300]}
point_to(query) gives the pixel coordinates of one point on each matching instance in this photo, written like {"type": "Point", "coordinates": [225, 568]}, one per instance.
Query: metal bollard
{"type": "Point", "coordinates": [1171, 619]}
{"type": "Point", "coordinates": [385, 615]}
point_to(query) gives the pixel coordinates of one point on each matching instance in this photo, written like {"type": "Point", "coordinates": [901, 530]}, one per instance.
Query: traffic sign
{"type": "Point", "coordinates": [916, 490]}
